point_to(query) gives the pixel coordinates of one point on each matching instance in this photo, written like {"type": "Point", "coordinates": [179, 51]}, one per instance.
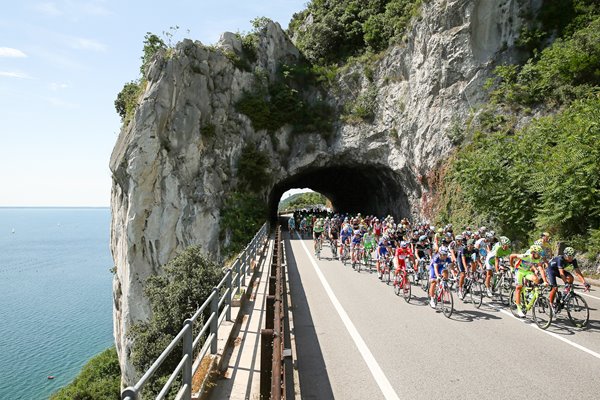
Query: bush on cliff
{"type": "Point", "coordinates": [99, 379]}
{"type": "Point", "coordinates": [174, 296]}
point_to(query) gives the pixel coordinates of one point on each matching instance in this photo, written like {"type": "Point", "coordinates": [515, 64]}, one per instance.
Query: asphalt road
{"type": "Point", "coordinates": [356, 339]}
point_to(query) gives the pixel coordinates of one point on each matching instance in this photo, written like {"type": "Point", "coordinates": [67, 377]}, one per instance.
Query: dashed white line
{"type": "Point", "coordinates": [376, 371]}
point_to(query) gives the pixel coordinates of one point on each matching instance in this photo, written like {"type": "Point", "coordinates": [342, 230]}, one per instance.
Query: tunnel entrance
{"type": "Point", "coordinates": [366, 188]}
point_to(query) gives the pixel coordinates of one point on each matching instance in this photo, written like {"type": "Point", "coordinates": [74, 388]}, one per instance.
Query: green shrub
{"type": "Point", "coordinates": [174, 296]}
{"type": "Point", "coordinates": [346, 28]}
{"type": "Point", "coordinates": [242, 216]}
{"type": "Point", "coordinates": [127, 98]}
{"type": "Point", "coordinates": [363, 108]}
{"type": "Point", "coordinates": [253, 169]}
{"type": "Point", "coordinates": [99, 379]}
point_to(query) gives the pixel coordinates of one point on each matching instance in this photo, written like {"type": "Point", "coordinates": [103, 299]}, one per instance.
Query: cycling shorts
{"type": "Point", "coordinates": [439, 270]}
{"type": "Point", "coordinates": [552, 273]}
{"type": "Point", "coordinates": [334, 235]}
{"type": "Point", "coordinates": [490, 263]}
{"type": "Point", "coordinates": [317, 234]}
{"type": "Point", "coordinates": [520, 275]}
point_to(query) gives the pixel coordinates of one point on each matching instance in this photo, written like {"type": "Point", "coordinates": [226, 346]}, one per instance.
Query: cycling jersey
{"type": "Point", "coordinates": [556, 264]}
{"type": "Point", "coordinates": [526, 262]}
{"type": "Point", "coordinates": [497, 251]}
{"type": "Point", "coordinates": [470, 256]}
{"type": "Point", "coordinates": [401, 255]}
{"type": "Point", "coordinates": [291, 222]}
{"type": "Point", "coordinates": [437, 264]}
{"type": "Point", "coordinates": [369, 241]}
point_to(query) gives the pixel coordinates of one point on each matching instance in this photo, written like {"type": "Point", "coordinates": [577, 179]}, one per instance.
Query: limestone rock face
{"type": "Point", "coordinates": [175, 163]}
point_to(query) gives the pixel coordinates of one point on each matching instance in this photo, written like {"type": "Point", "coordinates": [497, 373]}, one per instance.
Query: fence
{"type": "Point", "coordinates": [232, 283]}
{"type": "Point", "coordinates": [276, 374]}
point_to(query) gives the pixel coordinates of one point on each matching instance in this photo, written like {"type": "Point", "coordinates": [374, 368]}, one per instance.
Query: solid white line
{"type": "Point", "coordinates": [554, 335]}
{"type": "Point", "coordinates": [588, 295]}
{"type": "Point", "coordinates": [376, 371]}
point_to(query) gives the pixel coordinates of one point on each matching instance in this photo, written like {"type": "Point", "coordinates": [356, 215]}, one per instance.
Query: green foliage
{"type": "Point", "coordinates": [127, 98]}
{"type": "Point", "coordinates": [152, 45]}
{"type": "Point", "coordinates": [545, 175]}
{"type": "Point", "coordinates": [208, 130]}
{"type": "Point", "coordinates": [174, 296]}
{"type": "Point", "coordinates": [273, 105]}
{"type": "Point", "coordinates": [242, 216]}
{"type": "Point", "coordinates": [347, 28]}
{"type": "Point", "coordinates": [566, 70]}
{"type": "Point", "coordinates": [363, 108]}
{"type": "Point", "coordinates": [99, 379]}
{"type": "Point", "coordinates": [302, 200]}
{"type": "Point", "coordinates": [253, 169]}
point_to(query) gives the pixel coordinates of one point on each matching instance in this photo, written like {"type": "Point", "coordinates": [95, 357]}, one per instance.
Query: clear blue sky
{"type": "Point", "coordinates": [62, 64]}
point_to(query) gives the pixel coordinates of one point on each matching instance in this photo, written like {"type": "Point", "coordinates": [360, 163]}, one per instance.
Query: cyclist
{"type": "Point", "coordinates": [492, 261]}
{"type": "Point", "coordinates": [303, 226]}
{"type": "Point", "coordinates": [523, 264]}
{"type": "Point", "coordinates": [438, 266]}
{"type": "Point", "coordinates": [402, 253]}
{"type": "Point", "coordinates": [383, 250]}
{"type": "Point", "coordinates": [334, 234]}
{"type": "Point", "coordinates": [466, 257]}
{"type": "Point", "coordinates": [355, 245]}
{"type": "Point", "coordinates": [369, 243]}
{"type": "Point", "coordinates": [345, 236]}
{"type": "Point", "coordinates": [291, 225]}
{"type": "Point", "coordinates": [318, 233]}
{"type": "Point", "coordinates": [558, 266]}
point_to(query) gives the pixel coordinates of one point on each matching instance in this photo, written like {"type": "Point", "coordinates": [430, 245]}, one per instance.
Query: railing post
{"type": "Point", "coordinates": [188, 350]}
{"type": "Point", "coordinates": [244, 267]}
{"type": "Point", "coordinates": [214, 323]}
{"type": "Point", "coordinates": [238, 271]}
{"type": "Point", "coordinates": [230, 295]}
{"type": "Point", "coordinates": [129, 393]}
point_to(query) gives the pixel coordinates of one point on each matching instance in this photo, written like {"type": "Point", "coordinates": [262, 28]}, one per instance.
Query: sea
{"type": "Point", "coordinates": [55, 296]}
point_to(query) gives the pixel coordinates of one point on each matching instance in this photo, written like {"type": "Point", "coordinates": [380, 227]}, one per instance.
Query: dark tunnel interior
{"type": "Point", "coordinates": [368, 189]}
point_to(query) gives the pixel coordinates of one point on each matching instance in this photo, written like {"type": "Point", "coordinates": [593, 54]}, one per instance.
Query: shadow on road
{"type": "Point", "coordinates": [314, 380]}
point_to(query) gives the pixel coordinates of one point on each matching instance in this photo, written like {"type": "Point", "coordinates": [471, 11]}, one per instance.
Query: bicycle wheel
{"type": "Point", "coordinates": [578, 311]}
{"type": "Point", "coordinates": [476, 294]}
{"type": "Point", "coordinates": [447, 302]}
{"type": "Point", "coordinates": [387, 276]}
{"type": "Point", "coordinates": [406, 288]}
{"type": "Point", "coordinates": [504, 290]}
{"type": "Point", "coordinates": [425, 283]}
{"type": "Point", "coordinates": [542, 312]}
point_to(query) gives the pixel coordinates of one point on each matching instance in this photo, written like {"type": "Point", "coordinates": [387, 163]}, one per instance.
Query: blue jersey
{"type": "Point", "coordinates": [437, 261]}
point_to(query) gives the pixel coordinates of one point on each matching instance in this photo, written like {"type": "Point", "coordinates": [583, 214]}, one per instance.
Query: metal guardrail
{"type": "Point", "coordinates": [276, 377]}
{"type": "Point", "coordinates": [233, 281]}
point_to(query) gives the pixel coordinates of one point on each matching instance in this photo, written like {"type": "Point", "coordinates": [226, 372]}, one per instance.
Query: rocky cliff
{"type": "Point", "coordinates": [176, 162]}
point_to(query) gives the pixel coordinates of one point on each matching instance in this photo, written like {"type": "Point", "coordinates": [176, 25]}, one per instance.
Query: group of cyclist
{"type": "Point", "coordinates": [439, 250]}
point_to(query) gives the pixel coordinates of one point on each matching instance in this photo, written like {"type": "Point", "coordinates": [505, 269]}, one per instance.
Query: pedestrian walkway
{"type": "Point", "coordinates": [240, 377]}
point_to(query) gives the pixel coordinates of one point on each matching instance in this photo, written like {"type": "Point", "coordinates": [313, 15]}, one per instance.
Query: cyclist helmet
{"type": "Point", "coordinates": [422, 238]}
{"type": "Point", "coordinates": [443, 251]}
{"type": "Point", "coordinates": [482, 229]}
{"type": "Point", "coordinates": [569, 252]}
{"type": "Point", "coordinates": [535, 249]}
{"type": "Point", "coordinates": [538, 242]}
{"type": "Point", "coordinates": [459, 238]}
{"type": "Point", "coordinates": [440, 230]}
{"type": "Point", "coordinates": [504, 240]}
{"type": "Point", "coordinates": [471, 242]}
{"type": "Point", "coordinates": [493, 233]}
{"type": "Point", "coordinates": [403, 244]}
{"type": "Point", "coordinates": [357, 232]}
{"type": "Point", "coordinates": [489, 235]}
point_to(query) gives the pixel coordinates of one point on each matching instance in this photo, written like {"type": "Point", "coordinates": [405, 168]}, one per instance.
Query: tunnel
{"type": "Point", "coordinates": [367, 188]}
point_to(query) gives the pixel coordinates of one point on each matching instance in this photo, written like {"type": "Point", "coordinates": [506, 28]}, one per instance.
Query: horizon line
{"type": "Point", "coordinates": [54, 206]}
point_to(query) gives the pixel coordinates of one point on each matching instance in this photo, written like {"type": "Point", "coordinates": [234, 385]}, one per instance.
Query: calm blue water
{"type": "Point", "coordinates": [55, 296]}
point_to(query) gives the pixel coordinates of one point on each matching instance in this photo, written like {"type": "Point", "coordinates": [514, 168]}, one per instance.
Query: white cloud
{"type": "Point", "coordinates": [47, 8]}
{"type": "Point", "coordinates": [86, 44]}
{"type": "Point", "coordinates": [15, 74]}
{"type": "Point", "coordinates": [10, 52]}
{"type": "Point", "coordinates": [55, 86]}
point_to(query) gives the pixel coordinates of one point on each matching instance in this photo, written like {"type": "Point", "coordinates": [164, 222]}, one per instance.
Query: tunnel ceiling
{"type": "Point", "coordinates": [369, 189]}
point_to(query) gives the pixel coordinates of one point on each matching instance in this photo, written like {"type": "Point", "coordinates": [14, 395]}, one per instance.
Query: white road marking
{"type": "Point", "coordinates": [554, 335]}
{"type": "Point", "coordinates": [376, 371]}
{"type": "Point", "coordinates": [588, 295]}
